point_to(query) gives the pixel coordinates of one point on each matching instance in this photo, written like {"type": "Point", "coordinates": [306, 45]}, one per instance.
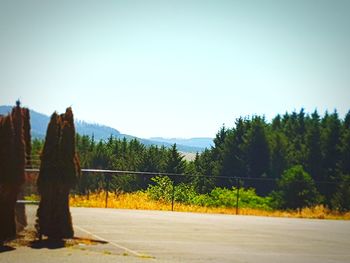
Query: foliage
{"type": "Point", "coordinates": [253, 149]}
{"type": "Point", "coordinates": [341, 199]}
{"type": "Point", "coordinates": [162, 190]}
{"type": "Point", "coordinates": [141, 200]}
{"type": "Point", "coordinates": [296, 189]}
{"type": "Point", "coordinates": [258, 148]}
{"type": "Point", "coordinates": [223, 197]}
{"type": "Point", "coordinates": [165, 190]}
{"type": "Point", "coordinates": [218, 197]}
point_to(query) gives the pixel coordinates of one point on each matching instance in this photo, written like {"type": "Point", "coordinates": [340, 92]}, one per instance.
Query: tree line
{"type": "Point", "coordinates": [255, 148]}
{"type": "Point", "coordinates": [316, 149]}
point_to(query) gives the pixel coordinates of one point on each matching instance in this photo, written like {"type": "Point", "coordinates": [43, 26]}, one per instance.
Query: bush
{"type": "Point", "coordinates": [163, 190]}
{"type": "Point", "coordinates": [296, 189]}
{"type": "Point", "coordinates": [218, 197]}
{"type": "Point", "coordinates": [341, 199]}
{"type": "Point", "coordinates": [223, 197]}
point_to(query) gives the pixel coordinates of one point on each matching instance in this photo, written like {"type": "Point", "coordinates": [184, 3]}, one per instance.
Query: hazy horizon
{"type": "Point", "coordinates": [175, 69]}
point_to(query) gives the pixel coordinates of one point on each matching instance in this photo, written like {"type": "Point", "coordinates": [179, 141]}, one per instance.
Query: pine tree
{"type": "Point", "coordinates": [258, 149]}
{"type": "Point", "coordinates": [204, 166]}
{"type": "Point", "coordinates": [345, 146]}
{"type": "Point", "coordinates": [314, 150]}
{"type": "Point", "coordinates": [234, 151]}
{"type": "Point", "coordinates": [347, 120]}
{"type": "Point", "coordinates": [331, 148]}
{"type": "Point", "coordinates": [294, 129]}
{"type": "Point", "coordinates": [279, 154]}
{"type": "Point", "coordinates": [174, 162]}
{"type": "Point", "coordinates": [151, 160]}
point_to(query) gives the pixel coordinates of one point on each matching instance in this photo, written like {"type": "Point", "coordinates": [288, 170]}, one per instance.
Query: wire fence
{"type": "Point", "coordinates": [97, 180]}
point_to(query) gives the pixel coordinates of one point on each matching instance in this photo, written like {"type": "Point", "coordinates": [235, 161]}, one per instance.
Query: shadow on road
{"type": "Point", "coordinates": [6, 248]}
{"type": "Point", "coordinates": [56, 244]}
{"type": "Point", "coordinates": [47, 243]}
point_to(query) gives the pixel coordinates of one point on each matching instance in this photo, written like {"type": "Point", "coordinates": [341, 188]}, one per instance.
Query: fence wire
{"type": "Point", "coordinates": [128, 181]}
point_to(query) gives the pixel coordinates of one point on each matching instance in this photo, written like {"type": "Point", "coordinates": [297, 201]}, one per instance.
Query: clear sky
{"type": "Point", "coordinates": [175, 68]}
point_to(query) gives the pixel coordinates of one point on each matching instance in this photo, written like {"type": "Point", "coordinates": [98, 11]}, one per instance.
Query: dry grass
{"type": "Point", "coordinates": [140, 200]}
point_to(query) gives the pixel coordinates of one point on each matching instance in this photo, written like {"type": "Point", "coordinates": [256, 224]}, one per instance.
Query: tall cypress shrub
{"type": "Point", "coordinates": [27, 136]}
{"type": "Point", "coordinates": [58, 174]}
{"type": "Point", "coordinates": [7, 197]}
{"type": "Point", "coordinates": [12, 169]}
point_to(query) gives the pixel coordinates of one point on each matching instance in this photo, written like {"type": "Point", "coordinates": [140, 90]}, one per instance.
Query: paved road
{"type": "Point", "coordinates": [155, 236]}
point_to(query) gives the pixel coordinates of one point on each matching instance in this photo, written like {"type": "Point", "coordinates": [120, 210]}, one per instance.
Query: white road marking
{"type": "Point", "coordinates": [111, 242]}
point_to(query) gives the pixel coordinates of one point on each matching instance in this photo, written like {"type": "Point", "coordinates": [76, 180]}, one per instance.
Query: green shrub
{"type": "Point", "coordinates": [218, 197]}
{"type": "Point", "coordinates": [341, 199]}
{"type": "Point", "coordinates": [223, 197]}
{"type": "Point", "coordinates": [296, 189]}
{"type": "Point", "coordinates": [162, 189]}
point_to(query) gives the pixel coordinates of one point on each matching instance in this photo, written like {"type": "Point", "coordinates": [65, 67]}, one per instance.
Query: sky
{"type": "Point", "coordinates": [175, 68]}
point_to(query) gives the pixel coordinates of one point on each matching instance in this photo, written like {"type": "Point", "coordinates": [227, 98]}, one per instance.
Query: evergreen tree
{"type": "Point", "coordinates": [258, 149]}
{"type": "Point", "coordinates": [344, 163]}
{"type": "Point", "coordinates": [314, 151]}
{"type": "Point", "coordinates": [234, 151]}
{"type": "Point", "coordinates": [331, 134]}
{"type": "Point", "coordinates": [174, 162]}
{"type": "Point", "coordinates": [6, 150]}
{"type": "Point", "coordinates": [293, 128]}
{"type": "Point", "coordinates": [27, 136]}
{"type": "Point", "coordinates": [58, 174]}
{"type": "Point", "coordinates": [276, 123]}
{"type": "Point", "coordinates": [7, 193]}
{"type": "Point", "coordinates": [205, 168]}
{"type": "Point", "coordinates": [19, 145]}
{"type": "Point", "coordinates": [251, 148]}
{"type": "Point", "coordinates": [279, 154]}
{"type": "Point", "coordinates": [219, 140]}
{"type": "Point", "coordinates": [347, 121]}
{"type": "Point", "coordinates": [12, 169]}
{"type": "Point", "coordinates": [152, 160]}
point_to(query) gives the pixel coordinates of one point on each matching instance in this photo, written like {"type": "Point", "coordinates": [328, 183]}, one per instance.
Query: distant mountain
{"type": "Point", "coordinates": [202, 142]}
{"type": "Point", "coordinates": [40, 121]}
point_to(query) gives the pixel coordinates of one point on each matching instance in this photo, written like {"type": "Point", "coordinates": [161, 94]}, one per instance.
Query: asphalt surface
{"type": "Point", "coordinates": [156, 236]}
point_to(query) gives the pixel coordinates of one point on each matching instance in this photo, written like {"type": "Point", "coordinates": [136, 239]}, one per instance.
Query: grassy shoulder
{"type": "Point", "coordinates": [142, 200]}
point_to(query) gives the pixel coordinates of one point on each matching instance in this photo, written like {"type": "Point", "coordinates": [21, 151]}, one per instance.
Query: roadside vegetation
{"type": "Point", "coordinates": [298, 162]}
{"type": "Point", "coordinates": [141, 200]}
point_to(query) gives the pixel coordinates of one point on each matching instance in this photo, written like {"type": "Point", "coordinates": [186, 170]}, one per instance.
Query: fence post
{"type": "Point", "coordinates": [237, 195]}
{"type": "Point", "coordinates": [173, 196]}
{"type": "Point", "coordinates": [107, 188]}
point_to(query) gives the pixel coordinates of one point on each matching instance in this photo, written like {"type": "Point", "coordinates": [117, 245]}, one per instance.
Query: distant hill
{"type": "Point", "coordinates": [40, 121]}
{"type": "Point", "coordinates": [193, 142]}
